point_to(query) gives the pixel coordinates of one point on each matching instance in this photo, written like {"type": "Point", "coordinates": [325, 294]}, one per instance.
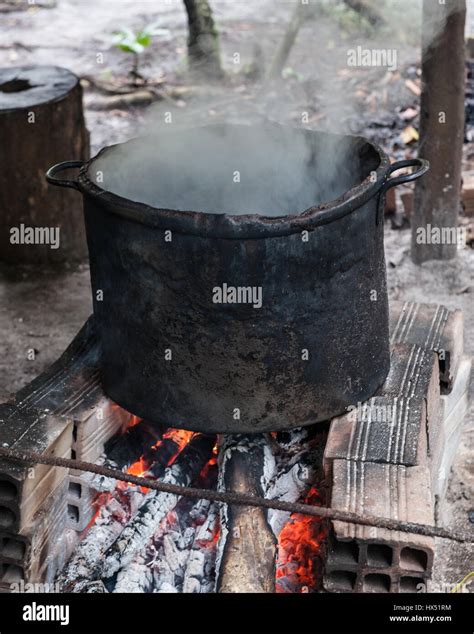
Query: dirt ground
{"type": "Point", "coordinates": [43, 311]}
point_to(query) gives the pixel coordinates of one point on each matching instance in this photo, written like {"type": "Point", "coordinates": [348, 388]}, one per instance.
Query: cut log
{"type": "Point", "coordinates": [142, 527]}
{"type": "Point", "coordinates": [41, 123]}
{"type": "Point", "coordinates": [247, 546]}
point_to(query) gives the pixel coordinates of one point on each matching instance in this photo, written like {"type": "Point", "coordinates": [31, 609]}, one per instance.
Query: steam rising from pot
{"type": "Point", "coordinates": [177, 163]}
{"type": "Point", "coordinates": [270, 170]}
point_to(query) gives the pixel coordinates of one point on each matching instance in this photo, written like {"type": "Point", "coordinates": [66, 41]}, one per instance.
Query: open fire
{"type": "Point", "coordinates": [135, 545]}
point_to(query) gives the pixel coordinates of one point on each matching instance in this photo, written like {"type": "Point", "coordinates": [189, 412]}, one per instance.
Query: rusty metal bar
{"type": "Point", "coordinates": [231, 497]}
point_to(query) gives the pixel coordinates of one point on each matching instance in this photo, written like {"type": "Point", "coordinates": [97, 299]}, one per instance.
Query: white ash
{"type": "Point", "coordinates": [289, 486]}
{"type": "Point", "coordinates": [135, 578]}
{"type": "Point", "coordinates": [200, 567]}
{"type": "Point", "coordinates": [94, 587]}
{"type": "Point", "coordinates": [294, 476]}
{"type": "Point", "coordinates": [173, 548]}
{"type": "Point", "coordinates": [103, 484]}
{"type": "Point", "coordinates": [87, 557]}
{"type": "Point", "coordinates": [167, 588]}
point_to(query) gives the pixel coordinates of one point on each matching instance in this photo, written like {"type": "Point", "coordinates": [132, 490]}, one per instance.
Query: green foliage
{"type": "Point", "coordinates": [130, 42]}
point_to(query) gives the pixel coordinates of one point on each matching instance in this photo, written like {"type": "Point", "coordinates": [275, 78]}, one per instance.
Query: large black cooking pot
{"type": "Point", "coordinates": [238, 273]}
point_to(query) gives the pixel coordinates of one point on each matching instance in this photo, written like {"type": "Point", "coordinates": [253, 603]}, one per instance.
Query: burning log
{"type": "Point", "coordinates": [247, 546]}
{"type": "Point", "coordinates": [198, 576]}
{"type": "Point", "coordinates": [165, 563]}
{"type": "Point", "coordinates": [300, 538]}
{"type": "Point", "coordinates": [141, 528]}
{"type": "Point", "coordinates": [295, 474]}
{"type": "Point", "coordinates": [128, 447]}
{"type": "Point", "coordinates": [81, 569]}
{"type": "Point", "coordinates": [157, 565]}
{"type": "Point", "coordinates": [113, 514]}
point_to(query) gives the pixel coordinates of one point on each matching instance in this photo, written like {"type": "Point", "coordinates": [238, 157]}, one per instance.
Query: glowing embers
{"type": "Point", "coordinates": [301, 550]}
{"type": "Point", "coordinates": [141, 540]}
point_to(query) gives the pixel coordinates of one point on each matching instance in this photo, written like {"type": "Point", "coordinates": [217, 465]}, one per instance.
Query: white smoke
{"type": "Point", "coordinates": [177, 164]}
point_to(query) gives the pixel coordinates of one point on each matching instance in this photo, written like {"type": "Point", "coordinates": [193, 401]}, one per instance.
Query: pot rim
{"type": "Point", "coordinates": [245, 226]}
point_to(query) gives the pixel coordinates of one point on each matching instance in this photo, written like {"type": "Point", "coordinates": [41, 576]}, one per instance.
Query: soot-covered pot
{"type": "Point", "coordinates": [238, 273]}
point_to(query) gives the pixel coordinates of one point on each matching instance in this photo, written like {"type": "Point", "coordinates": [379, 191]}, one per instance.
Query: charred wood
{"type": "Point", "coordinates": [142, 527]}
{"type": "Point", "coordinates": [136, 442]}
{"type": "Point", "coordinates": [84, 565]}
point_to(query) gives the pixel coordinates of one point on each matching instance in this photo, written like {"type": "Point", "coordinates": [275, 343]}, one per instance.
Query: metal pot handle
{"type": "Point", "coordinates": [59, 167]}
{"type": "Point", "coordinates": [423, 166]}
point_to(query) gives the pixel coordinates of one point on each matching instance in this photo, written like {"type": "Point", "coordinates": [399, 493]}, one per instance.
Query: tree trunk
{"type": "Point", "coordinates": [368, 10]}
{"type": "Point", "coordinates": [437, 195]}
{"type": "Point", "coordinates": [283, 52]}
{"type": "Point", "coordinates": [41, 123]}
{"type": "Point", "coordinates": [203, 40]}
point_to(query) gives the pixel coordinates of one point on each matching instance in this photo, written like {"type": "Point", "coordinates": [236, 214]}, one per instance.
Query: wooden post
{"type": "Point", "coordinates": [41, 123]}
{"type": "Point", "coordinates": [437, 195]}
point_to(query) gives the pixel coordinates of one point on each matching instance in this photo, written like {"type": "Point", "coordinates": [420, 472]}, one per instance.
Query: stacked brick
{"type": "Point", "coordinates": [391, 456]}
{"type": "Point", "coordinates": [62, 413]}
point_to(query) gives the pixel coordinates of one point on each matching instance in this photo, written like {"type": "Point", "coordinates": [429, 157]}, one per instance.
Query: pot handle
{"type": "Point", "coordinates": [422, 164]}
{"type": "Point", "coordinates": [423, 167]}
{"type": "Point", "coordinates": [59, 167]}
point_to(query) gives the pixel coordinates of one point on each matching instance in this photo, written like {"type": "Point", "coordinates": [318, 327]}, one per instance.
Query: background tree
{"type": "Point", "coordinates": [203, 40]}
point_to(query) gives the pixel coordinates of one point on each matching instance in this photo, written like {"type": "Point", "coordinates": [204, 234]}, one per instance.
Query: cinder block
{"type": "Point", "coordinates": [455, 406]}
{"type": "Point", "coordinates": [370, 559]}
{"type": "Point", "coordinates": [401, 424]}
{"type": "Point", "coordinates": [80, 509]}
{"type": "Point", "coordinates": [432, 327]}
{"type": "Point", "coordinates": [23, 489]}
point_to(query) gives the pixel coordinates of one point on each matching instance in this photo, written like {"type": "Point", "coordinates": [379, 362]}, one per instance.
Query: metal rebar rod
{"type": "Point", "coordinates": [231, 497]}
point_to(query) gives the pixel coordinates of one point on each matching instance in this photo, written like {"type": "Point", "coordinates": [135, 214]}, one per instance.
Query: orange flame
{"type": "Point", "coordinates": [299, 549]}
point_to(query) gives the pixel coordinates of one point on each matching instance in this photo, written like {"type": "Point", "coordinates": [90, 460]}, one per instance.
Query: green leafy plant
{"type": "Point", "coordinates": [135, 43]}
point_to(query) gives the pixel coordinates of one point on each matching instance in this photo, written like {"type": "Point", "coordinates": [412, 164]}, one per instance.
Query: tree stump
{"type": "Point", "coordinates": [41, 123]}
